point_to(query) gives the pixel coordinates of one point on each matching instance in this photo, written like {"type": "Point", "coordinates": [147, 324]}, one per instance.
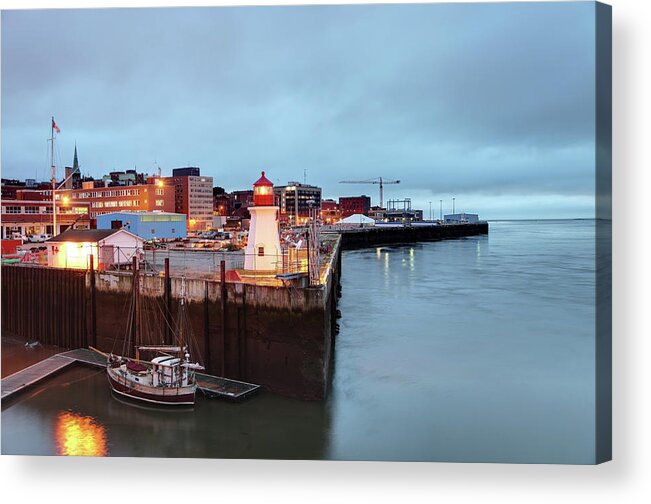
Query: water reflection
{"type": "Point", "coordinates": [79, 435]}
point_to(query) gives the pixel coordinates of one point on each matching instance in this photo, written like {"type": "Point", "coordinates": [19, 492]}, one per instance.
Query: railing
{"type": "Point", "coordinates": [193, 263]}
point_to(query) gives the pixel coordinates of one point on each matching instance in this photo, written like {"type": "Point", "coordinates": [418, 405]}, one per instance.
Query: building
{"type": "Point", "coordinates": [146, 225]}
{"type": "Point", "coordinates": [24, 218]}
{"type": "Point", "coordinates": [295, 200]}
{"type": "Point", "coordinates": [351, 205]}
{"type": "Point", "coordinates": [124, 178]}
{"type": "Point", "coordinates": [193, 197]}
{"type": "Point", "coordinates": [109, 247]}
{"type": "Point", "coordinates": [221, 202]}
{"type": "Point", "coordinates": [461, 218]}
{"type": "Point", "coordinates": [401, 211]}
{"type": "Point", "coordinates": [330, 212]}
{"type": "Point", "coordinates": [376, 213]}
{"type": "Point", "coordinates": [263, 252]}
{"type": "Point", "coordinates": [152, 196]}
{"type": "Point", "coordinates": [241, 199]}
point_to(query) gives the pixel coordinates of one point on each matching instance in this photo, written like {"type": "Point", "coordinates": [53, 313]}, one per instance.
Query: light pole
{"type": "Point", "coordinates": [441, 210]}
{"type": "Point", "coordinates": [453, 204]}
{"type": "Point", "coordinates": [430, 210]}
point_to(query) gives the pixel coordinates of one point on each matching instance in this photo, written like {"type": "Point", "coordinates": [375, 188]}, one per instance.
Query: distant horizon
{"type": "Point", "coordinates": [472, 101]}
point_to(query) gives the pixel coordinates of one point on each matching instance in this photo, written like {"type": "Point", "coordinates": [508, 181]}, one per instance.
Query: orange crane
{"type": "Point", "coordinates": [376, 180]}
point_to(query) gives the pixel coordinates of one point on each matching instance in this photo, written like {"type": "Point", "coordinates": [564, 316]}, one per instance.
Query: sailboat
{"type": "Point", "coordinates": [166, 376]}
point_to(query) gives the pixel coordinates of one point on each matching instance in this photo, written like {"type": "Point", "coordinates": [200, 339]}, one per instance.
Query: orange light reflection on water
{"type": "Point", "coordinates": [79, 435]}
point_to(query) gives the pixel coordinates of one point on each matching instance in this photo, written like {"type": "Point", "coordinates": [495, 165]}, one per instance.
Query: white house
{"type": "Point", "coordinates": [73, 248]}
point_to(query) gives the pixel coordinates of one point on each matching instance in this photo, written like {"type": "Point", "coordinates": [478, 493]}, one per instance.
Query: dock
{"type": "Point", "coordinates": [211, 386]}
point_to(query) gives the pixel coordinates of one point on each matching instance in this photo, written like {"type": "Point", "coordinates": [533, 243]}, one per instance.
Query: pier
{"type": "Point", "coordinates": [211, 386]}
{"type": "Point", "coordinates": [369, 236]}
{"type": "Point", "coordinates": [275, 333]}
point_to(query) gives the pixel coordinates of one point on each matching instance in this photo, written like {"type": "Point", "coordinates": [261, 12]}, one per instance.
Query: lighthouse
{"type": "Point", "coordinates": [263, 252]}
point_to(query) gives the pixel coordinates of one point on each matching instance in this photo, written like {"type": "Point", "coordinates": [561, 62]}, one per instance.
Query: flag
{"type": "Point", "coordinates": [55, 127]}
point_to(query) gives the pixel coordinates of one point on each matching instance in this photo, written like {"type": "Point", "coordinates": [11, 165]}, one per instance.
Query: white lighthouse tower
{"type": "Point", "coordinates": [263, 252]}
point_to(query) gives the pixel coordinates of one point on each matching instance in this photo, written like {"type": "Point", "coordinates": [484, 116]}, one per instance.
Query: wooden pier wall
{"type": "Point", "coordinates": [280, 338]}
{"type": "Point", "coordinates": [48, 305]}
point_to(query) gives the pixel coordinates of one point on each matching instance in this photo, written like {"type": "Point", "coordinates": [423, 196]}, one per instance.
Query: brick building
{"type": "Point", "coordinates": [351, 205]}
{"type": "Point", "coordinates": [34, 217]}
{"type": "Point", "coordinates": [330, 212]}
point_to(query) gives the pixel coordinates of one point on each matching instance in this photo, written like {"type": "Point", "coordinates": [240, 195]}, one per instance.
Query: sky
{"type": "Point", "coordinates": [490, 104]}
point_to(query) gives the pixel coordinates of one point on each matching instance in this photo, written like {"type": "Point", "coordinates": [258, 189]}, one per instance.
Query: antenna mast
{"type": "Point", "coordinates": [54, 180]}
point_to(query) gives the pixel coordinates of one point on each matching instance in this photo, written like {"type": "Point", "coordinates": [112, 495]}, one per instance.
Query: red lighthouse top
{"type": "Point", "coordinates": [263, 192]}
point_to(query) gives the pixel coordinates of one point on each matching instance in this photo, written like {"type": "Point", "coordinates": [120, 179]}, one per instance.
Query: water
{"type": "Point", "coordinates": [477, 349]}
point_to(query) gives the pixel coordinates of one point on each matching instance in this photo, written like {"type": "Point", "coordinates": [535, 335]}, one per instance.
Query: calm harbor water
{"type": "Point", "coordinates": [476, 349]}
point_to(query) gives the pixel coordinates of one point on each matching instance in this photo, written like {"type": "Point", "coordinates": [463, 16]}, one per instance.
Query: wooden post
{"type": "Point", "coordinates": [93, 313]}
{"type": "Point", "coordinates": [222, 353]}
{"type": "Point", "coordinates": [168, 303]}
{"type": "Point", "coordinates": [206, 327]}
{"type": "Point", "coordinates": [136, 305]}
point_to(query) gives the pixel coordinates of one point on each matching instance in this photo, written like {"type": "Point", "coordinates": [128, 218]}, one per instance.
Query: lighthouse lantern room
{"type": "Point", "coordinates": [263, 252]}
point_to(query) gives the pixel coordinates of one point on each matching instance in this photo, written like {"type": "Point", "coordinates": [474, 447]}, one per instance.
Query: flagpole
{"type": "Point", "coordinates": [54, 181]}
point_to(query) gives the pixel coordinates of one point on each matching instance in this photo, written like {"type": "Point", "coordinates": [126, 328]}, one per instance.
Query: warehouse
{"type": "Point", "coordinates": [147, 225]}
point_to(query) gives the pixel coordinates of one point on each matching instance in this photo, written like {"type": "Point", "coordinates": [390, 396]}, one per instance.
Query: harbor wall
{"type": "Point", "coordinates": [385, 235]}
{"type": "Point", "coordinates": [277, 337]}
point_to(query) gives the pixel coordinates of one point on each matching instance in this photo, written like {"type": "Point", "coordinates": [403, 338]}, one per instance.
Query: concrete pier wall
{"type": "Point", "coordinates": [381, 235]}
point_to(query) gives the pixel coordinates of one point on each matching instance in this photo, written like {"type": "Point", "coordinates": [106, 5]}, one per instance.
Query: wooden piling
{"type": "Point", "coordinates": [93, 313]}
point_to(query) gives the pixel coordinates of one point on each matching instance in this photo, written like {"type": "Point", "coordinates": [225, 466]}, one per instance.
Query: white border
{"type": "Point", "coordinates": [626, 479]}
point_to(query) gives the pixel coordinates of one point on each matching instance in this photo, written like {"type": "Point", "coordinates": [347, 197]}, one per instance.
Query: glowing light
{"type": "Point", "coordinates": [160, 183]}
{"type": "Point", "coordinates": [78, 435]}
{"type": "Point", "coordinates": [66, 200]}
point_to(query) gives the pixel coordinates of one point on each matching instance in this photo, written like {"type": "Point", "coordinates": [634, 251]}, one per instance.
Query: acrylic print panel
{"type": "Point", "coordinates": [420, 273]}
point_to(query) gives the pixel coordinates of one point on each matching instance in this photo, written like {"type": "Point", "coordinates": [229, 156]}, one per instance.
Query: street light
{"type": "Point", "coordinates": [453, 204]}
{"type": "Point", "coordinates": [430, 210]}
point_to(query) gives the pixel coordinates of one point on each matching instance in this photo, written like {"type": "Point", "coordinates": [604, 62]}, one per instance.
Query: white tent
{"type": "Point", "coordinates": [357, 220]}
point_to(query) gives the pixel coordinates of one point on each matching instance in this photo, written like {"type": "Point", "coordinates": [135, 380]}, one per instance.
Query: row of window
{"type": "Point", "coordinates": [42, 210]}
{"type": "Point", "coordinates": [108, 194]}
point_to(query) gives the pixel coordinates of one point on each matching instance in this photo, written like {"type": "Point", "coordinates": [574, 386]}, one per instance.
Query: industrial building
{"type": "Point", "coordinates": [146, 225]}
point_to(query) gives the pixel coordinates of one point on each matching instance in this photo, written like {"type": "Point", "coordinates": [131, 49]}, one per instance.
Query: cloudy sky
{"type": "Point", "coordinates": [492, 104]}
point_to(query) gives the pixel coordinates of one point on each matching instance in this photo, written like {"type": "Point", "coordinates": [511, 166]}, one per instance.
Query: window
{"type": "Point", "coordinates": [31, 209]}
{"type": "Point", "coordinates": [14, 209]}
{"type": "Point", "coordinates": [160, 202]}
{"type": "Point", "coordinates": [261, 251]}
{"type": "Point", "coordinates": [160, 192]}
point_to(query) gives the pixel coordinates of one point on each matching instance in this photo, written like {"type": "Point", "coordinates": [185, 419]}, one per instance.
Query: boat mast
{"type": "Point", "coordinates": [136, 300]}
{"type": "Point", "coordinates": [54, 180]}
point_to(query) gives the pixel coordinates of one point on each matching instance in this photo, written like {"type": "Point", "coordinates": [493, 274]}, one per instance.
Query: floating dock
{"type": "Point", "coordinates": [211, 386]}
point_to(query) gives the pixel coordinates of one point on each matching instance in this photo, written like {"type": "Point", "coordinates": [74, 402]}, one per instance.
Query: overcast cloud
{"type": "Point", "coordinates": [490, 103]}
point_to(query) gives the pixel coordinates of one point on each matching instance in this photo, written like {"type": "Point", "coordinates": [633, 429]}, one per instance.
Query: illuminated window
{"type": "Point", "coordinates": [160, 202]}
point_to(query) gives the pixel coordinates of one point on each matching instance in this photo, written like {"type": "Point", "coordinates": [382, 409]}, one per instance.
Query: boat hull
{"type": "Point", "coordinates": [153, 395]}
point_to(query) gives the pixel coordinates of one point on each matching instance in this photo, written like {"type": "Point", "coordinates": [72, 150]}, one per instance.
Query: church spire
{"type": "Point", "coordinates": [75, 162]}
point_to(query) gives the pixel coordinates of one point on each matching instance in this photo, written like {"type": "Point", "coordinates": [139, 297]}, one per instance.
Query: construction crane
{"type": "Point", "coordinates": [376, 180]}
